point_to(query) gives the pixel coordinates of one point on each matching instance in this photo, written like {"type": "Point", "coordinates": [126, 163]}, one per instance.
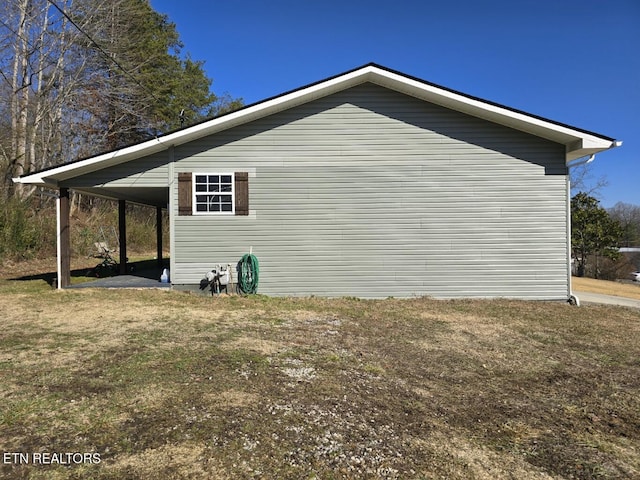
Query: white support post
{"type": "Point", "coordinates": [58, 246]}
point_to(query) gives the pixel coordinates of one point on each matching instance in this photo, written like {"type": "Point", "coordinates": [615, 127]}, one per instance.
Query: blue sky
{"type": "Point", "coordinates": [573, 61]}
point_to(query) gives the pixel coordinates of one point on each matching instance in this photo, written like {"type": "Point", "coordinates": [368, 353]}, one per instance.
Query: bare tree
{"type": "Point", "coordinates": [37, 44]}
{"type": "Point", "coordinates": [583, 180]}
{"type": "Point", "coordinates": [628, 216]}
{"type": "Point", "coordinates": [19, 90]}
{"type": "Point", "coordinates": [82, 76]}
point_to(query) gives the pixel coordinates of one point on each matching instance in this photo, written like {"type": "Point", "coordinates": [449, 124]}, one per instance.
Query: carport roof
{"type": "Point", "coordinates": [578, 142]}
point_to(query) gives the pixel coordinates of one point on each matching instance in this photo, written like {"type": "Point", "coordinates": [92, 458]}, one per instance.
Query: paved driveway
{"type": "Point", "coordinates": [586, 297]}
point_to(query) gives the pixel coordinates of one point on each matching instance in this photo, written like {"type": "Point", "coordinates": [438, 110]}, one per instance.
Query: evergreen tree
{"type": "Point", "coordinates": [593, 232]}
{"type": "Point", "coordinates": [83, 76]}
{"type": "Point", "coordinates": [145, 82]}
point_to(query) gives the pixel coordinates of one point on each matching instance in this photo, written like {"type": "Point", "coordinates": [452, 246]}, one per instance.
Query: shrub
{"type": "Point", "coordinates": [24, 232]}
{"type": "Point", "coordinates": [28, 228]}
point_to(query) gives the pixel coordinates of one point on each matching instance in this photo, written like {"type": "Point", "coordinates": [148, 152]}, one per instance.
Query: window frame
{"type": "Point", "coordinates": [195, 194]}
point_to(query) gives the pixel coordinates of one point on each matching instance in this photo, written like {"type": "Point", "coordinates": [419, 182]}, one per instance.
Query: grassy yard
{"type": "Point", "coordinates": [165, 385]}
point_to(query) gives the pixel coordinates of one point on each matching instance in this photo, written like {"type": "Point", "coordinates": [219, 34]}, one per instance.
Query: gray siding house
{"type": "Point", "coordinates": [371, 183]}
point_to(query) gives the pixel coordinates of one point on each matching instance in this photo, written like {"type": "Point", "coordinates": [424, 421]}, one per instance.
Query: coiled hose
{"type": "Point", "coordinates": [249, 272]}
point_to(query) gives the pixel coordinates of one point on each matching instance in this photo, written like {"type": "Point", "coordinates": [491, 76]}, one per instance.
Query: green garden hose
{"type": "Point", "coordinates": [248, 274]}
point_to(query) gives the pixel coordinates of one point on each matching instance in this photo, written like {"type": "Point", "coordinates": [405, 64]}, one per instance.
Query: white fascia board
{"type": "Point", "coordinates": [589, 145]}
{"type": "Point", "coordinates": [495, 113]}
{"type": "Point", "coordinates": [578, 143]}
{"type": "Point", "coordinates": [52, 176]}
{"type": "Point", "coordinates": [264, 109]}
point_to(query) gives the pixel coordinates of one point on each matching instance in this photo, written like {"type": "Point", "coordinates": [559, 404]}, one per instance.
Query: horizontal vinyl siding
{"type": "Point", "coordinates": [372, 193]}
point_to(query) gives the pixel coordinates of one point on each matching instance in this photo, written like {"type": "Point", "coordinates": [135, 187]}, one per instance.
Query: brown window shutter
{"type": "Point", "coordinates": [242, 193]}
{"type": "Point", "coordinates": [184, 193]}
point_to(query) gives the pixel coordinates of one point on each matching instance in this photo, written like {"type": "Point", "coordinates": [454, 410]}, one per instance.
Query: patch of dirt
{"type": "Point", "coordinates": [606, 287]}
{"type": "Point", "coordinates": [476, 461]}
{"type": "Point", "coordinates": [260, 345]}
{"type": "Point", "coordinates": [234, 398]}
{"type": "Point", "coordinates": [42, 266]}
{"type": "Point", "coordinates": [184, 460]}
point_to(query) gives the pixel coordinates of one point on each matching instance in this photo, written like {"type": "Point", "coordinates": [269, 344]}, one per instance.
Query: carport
{"type": "Point", "coordinates": [106, 176]}
{"type": "Point", "coordinates": [146, 198]}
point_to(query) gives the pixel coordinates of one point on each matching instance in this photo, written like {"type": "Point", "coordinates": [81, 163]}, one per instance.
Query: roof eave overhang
{"type": "Point", "coordinates": [52, 177]}
{"type": "Point", "coordinates": [578, 143]}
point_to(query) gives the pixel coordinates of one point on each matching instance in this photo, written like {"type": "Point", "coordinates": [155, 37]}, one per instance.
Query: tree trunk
{"type": "Point", "coordinates": [18, 93]}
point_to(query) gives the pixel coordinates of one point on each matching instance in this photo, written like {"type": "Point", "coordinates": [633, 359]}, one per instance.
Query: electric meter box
{"type": "Point", "coordinates": [223, 276]}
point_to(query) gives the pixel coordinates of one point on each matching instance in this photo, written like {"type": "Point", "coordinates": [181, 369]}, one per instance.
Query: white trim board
{"type": "Point", "coordinates": [578, 143]}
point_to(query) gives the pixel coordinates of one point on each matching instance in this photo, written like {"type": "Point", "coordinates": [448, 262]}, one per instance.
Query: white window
{"type": "Point", "coordinates": [213, 193]}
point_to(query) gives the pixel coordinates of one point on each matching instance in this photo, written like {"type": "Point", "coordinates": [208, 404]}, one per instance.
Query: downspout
{"type": "Point", "coordinates": [573, 300]}
{"type": "Point", "coordinates": [582, 161]}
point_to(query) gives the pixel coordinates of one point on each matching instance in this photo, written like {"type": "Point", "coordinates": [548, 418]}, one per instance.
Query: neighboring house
{"type": "Point", "coordinates": [371, 183]}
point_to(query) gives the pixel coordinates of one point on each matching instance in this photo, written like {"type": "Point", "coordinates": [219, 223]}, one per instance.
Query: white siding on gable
{"type": "Point", "coordinates": [372, 193]}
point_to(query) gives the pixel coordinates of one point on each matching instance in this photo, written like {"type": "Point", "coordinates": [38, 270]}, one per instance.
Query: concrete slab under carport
{"type": "Point", "coordinates": [122, 281]}
{"type": "Point", "coordinates": [144, 274]}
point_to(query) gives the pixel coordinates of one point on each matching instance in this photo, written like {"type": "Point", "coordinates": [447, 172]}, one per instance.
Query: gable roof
{"type": "Point", "coordinates": [578, 142]}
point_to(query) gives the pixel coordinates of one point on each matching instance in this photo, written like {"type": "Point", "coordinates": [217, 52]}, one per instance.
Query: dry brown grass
{"type": "Point", "coordinates": [169, 385]}
{"type": "Point", "coordinates": [606, 287]}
